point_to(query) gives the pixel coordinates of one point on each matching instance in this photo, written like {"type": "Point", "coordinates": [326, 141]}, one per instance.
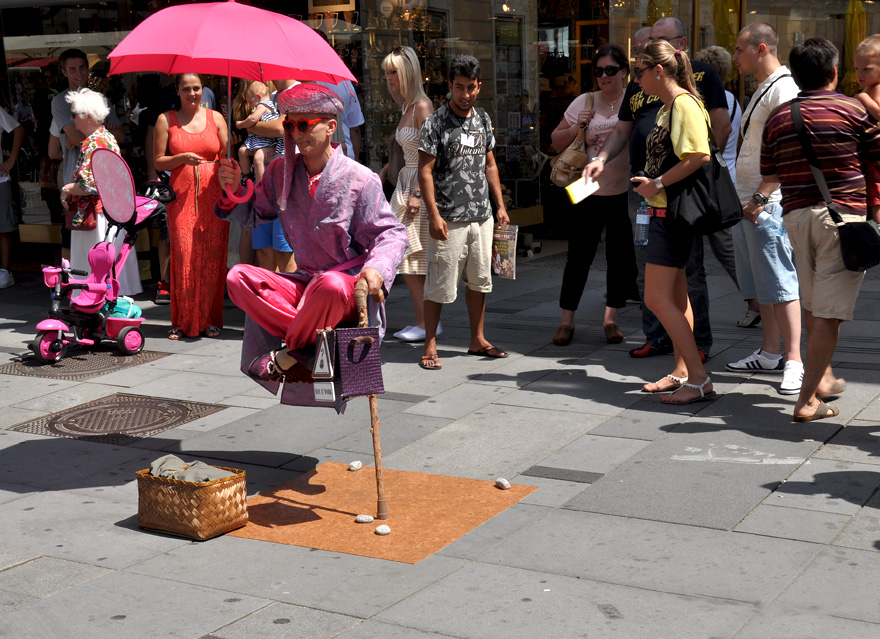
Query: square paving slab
{"type": "Point", "coordinates": [710, 479]}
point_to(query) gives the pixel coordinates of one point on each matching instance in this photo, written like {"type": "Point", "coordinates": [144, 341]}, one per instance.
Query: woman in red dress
{"type": "Point", "coordinates": [189, 143]}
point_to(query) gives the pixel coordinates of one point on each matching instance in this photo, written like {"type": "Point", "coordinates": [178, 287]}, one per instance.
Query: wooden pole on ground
{"type": "Point", "coordinates": [361, 291]}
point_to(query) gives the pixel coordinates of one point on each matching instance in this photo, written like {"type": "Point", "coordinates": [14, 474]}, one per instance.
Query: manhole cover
{"type": "Point", "coordinates": [118, 419]}
{"type": "Point", "coordinates": [79, 365]}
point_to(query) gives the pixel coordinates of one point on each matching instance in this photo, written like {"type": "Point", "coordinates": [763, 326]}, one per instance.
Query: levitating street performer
{"type": "Point", "coordinates": [338, 223]}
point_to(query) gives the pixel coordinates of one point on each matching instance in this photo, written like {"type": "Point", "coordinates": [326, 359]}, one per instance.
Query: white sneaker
{"type": "Point", "coordinates": [6, 279]}
{"type": "Point", "coordinates": [757, 362]}
{"type": "Point", "coordinates": [414, 333]}
{"type": "Point", "coordinates": [792, 378]}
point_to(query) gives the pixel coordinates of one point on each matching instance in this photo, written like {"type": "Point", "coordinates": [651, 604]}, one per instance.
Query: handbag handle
{"type": "Point", "coordinates": [798, 120]}
{"type": "Point", "coordinates": [366, 341]}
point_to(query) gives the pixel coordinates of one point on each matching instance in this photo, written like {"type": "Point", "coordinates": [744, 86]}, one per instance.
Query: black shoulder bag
{"type": "Point", "coordinates": [859, 241]}
{"type": "Point", "coordinates": [704, 202]}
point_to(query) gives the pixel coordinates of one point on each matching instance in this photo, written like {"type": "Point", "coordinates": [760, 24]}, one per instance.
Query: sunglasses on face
{"type": "Point", "coordinates": [638, 72]}
{"type": "Point", "coordinates": [302, 125]}
{"type": "Point", "coordinates": [610, 71]}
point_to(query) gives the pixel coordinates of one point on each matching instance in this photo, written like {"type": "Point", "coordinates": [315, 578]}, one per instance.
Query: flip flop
{"type": "Point", "coordinates": [435, 366]}
{"type": "Point", "coordinates": [488, 351]}
{"type": "Point", "coordinates": [836, 389]}
{"type": "Point", "coordinates": [820, 413]}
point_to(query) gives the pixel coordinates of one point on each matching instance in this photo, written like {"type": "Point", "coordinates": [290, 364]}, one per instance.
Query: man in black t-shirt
{"type": "Point", "coordinates": [638, 114]}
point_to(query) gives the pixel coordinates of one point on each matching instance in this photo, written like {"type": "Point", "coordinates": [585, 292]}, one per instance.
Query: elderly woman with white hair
{"type": "Point", "coordinates": [89, 110]}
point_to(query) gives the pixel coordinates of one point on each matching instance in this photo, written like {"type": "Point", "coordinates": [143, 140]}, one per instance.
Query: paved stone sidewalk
{"type": "Point", "coordinates": [718, 520]}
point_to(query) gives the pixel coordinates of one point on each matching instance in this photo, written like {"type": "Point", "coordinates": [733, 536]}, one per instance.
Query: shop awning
{"type": "Point", "coordinates": [37, 63]}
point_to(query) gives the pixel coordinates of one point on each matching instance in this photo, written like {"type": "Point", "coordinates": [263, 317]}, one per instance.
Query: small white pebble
{"type": "Point", "coordinates": [355, 465]}
{"type": "Point", "coordinates": [502, 483]}
{"type": "Point", "coordinates": [383, 530]}
{"type": "Point", "coordinates": [364, 519]}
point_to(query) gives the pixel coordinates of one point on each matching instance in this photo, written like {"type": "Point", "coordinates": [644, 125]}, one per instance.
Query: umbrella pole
{"type": "Point", "coordinates": [360, 293]}
{"type": "Point", "coordinates": [229, 117]}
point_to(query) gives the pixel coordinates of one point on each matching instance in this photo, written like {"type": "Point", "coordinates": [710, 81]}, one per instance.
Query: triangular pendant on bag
{"type": "Point", "coordinates": [323, 368]}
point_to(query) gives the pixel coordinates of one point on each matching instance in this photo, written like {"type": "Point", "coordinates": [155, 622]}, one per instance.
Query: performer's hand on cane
{"type": "Point", "coordinates": [375, 283]}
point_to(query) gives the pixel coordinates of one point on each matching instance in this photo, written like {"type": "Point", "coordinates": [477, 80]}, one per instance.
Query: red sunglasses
{"type": "Point", "coordinates": [302, 125]}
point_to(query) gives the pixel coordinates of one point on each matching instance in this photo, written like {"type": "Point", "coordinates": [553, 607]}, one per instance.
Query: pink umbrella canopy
{"type": "Point", "coordinates": [226, 38]}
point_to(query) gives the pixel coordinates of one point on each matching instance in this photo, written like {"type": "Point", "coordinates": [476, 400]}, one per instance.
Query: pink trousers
{"type": "Point", "coordinates": [271, 300]}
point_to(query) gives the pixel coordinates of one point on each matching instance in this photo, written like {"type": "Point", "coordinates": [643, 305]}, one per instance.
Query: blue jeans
{"type": "Point", "coordinates": [698, 292]}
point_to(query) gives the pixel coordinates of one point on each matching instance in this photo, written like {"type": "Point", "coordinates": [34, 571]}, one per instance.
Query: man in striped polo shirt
{"type": "Point", "coordinates": [843, 136]}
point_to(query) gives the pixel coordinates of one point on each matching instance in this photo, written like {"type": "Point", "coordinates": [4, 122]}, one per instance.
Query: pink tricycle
{"type": "Point", "coordinates": [87, 318]}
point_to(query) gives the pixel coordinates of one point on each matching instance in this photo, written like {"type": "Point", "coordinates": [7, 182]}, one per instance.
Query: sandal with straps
{"type": "Point", "coordinates": [678, 383]}
{"type": "Point", "coordinates": [704, 396]}
{"type": "Point", "coordinates": [174, 333]}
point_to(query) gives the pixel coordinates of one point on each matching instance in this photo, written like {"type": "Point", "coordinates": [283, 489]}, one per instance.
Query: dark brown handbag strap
{"type": "Point", "coordinates": [797, 119]}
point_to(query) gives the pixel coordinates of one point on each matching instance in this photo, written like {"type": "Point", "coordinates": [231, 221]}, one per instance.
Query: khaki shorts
{"type": "Point", "coordinates": [828, 290]}
{"type": "Point", "coordinates": [465, 255]}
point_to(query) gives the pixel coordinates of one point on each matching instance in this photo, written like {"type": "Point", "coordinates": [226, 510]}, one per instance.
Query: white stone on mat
{"type": "Point", "coordinates": [502, 483]}
{"type": "Point", "coordinates": [364, 519]}
{"type": "Point", "coordinates": [383, 530]}
{"type": "Point", "coordinates": [355, 465]}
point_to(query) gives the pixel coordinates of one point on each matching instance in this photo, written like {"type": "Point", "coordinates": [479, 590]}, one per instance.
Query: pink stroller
{"type": "Point", "coordinates": [86, 320]}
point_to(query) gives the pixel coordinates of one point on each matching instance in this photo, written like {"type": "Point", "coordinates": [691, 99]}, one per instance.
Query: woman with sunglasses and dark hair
{"type": "Point", "coordinates": [677, 146]}
{"type": "Point", "coordinates": [607, 209]}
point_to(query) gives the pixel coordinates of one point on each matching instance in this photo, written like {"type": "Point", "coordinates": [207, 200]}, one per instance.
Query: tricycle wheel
{"type": "Point", "coordinates": [47, 347]}
{"type": "Point", "coordinates": [130, 340]}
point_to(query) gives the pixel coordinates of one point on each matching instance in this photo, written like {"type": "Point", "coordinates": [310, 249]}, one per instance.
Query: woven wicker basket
{"type": "Point", "coordinates": [196, 510]}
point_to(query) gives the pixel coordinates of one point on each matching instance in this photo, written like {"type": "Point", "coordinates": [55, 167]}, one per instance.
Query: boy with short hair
{"type": "Point", "coordinates": [457, 173]}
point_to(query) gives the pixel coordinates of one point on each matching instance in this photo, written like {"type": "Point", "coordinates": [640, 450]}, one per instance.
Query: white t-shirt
{"type": "Point", "coordinates": [729, 153]}
{"type": "Point", "coordinates": [615, 176]}
{"type": "Point", "coordinates": [748, 164]}
{"type": "Point", "coordinates": [8, 124]}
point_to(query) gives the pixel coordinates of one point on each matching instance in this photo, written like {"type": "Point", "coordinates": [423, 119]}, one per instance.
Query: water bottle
{"type": "Point", "coordinates": [643, 219]}
{"type": "Point", "coordinates": [770, 224]}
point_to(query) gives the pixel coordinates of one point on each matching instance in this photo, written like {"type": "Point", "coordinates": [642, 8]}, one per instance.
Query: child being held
{"type": "Point", "coordinates": [867, 68]}
{"type": "Point", "coordinates": [261, 149]}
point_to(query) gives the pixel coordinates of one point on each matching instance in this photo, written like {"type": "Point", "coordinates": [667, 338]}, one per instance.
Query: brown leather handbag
{"type": "Point", "coordinates": [568, 165]}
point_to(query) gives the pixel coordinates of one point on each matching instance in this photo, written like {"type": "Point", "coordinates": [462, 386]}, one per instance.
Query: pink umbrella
{"type": "Point", "coordinates": [226, 38]}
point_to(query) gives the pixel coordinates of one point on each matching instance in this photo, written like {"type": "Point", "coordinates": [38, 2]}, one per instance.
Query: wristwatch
{"type": "Point", "coordinates": [601, 159]}
{"type": "Point", "coordinates": [417, 193]}
{"type": "Point", "coordinates": [759, 198]}
{"type": "Point", "coordinates": [658, 183]}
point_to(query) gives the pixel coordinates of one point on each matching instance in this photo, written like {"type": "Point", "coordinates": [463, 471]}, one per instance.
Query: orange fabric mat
{"type": "Point", "coordinates": [426, 512]}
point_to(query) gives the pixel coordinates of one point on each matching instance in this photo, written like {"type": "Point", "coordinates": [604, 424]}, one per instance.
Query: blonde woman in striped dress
{"type": "Point", "coordinates": [404, 77]}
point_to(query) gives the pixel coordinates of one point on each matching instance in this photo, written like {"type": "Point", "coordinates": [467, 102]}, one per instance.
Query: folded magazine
{"type": "Point", "coordinates": [504, 251]}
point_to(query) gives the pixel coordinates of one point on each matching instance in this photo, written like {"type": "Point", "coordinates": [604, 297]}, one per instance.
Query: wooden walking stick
{"type": "Point", "coordinates": [361, 291]}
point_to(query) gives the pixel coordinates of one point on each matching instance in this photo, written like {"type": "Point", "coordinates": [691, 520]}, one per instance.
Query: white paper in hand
{"type": "Point", "coordinates": [581, 189]}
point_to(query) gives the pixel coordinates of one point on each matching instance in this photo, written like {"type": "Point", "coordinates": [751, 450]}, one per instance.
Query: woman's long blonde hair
{"type": "Point", "coordinates": [409, 75]}
{"type": "Point", "coordinates": [675, 63]}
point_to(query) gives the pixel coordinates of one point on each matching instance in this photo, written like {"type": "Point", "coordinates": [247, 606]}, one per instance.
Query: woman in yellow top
{"type": "Point", "coordinates": [677, 146]}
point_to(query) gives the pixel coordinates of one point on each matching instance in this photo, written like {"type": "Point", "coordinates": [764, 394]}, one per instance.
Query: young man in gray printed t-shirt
{"type": "Point", "coordinates": [457, 173]}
